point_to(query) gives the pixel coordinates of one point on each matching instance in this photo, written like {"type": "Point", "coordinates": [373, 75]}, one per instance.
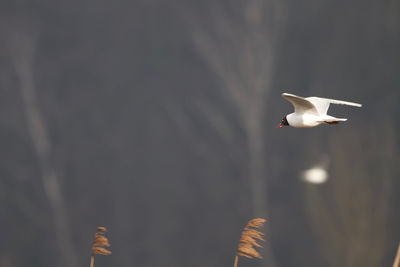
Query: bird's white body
{"type": "Point", "coordinates": [312, 111]}
{"type": "Point", "coordinates": [310, 120]}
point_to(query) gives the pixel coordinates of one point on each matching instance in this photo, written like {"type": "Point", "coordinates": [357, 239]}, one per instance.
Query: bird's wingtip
{"type": "Point", "coordinates": [287, 94]}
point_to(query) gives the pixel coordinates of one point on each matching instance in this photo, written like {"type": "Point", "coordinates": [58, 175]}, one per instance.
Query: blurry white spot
{"type": "Point", "coordinates": [316, 175]}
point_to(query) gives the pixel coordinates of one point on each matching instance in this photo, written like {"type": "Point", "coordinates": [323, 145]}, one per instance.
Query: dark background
{"type": "Point", "coordinates": [156, 119]}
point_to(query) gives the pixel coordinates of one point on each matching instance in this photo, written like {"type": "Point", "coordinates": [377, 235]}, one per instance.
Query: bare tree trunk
{"type": "Point", "coordinates": [23, 53]}
{"type": "Point", "coordinates": [240, 47]}
{"type": "Point", "coordinates": [256, 174]}
{"type": "Point", "coordinates": [350, 212]}
{"type": "Point", "coordinates": [258, 186]}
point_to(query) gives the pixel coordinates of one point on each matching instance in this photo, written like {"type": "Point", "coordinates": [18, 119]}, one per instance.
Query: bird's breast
{"type": "Point", "coordinates": [303, 120]}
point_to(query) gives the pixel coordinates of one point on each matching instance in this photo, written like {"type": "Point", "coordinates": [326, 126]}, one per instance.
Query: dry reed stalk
{"type": "Point", "coordinates": [248, 240]}
{"type": "Point", "coordinates": [99, 242]}
{"type": "Point", "coordinates": [397, 258]}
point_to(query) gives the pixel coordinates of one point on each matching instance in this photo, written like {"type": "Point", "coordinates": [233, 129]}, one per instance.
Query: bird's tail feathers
{"type": "Point", "coordinates": [340, 119]}
{"type": "Point", "coordinates": [334, 120]}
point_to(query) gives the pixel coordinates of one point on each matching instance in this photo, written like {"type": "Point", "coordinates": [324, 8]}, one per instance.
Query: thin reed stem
{"type": "Point", "coordinates": [397, 258]}
{"type": "Point", "coordinates": [236, 261]}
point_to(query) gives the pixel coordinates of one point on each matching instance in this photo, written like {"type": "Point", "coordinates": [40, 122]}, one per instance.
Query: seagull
{"type": "Point", "coordinates": [311, 111]}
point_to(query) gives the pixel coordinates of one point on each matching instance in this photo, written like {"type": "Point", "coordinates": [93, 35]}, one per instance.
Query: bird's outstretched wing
{"type": "Point", "coordinates": [301, 104]}
{"type": "Point", "coordinates": [322, 104]}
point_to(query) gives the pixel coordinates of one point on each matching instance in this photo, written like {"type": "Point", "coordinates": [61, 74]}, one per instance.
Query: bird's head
{"type": "Point", "coordinates": [284, 122]}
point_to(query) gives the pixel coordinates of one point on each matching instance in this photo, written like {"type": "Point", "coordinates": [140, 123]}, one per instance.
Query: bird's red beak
{"type": "Point", "coordinates": [279, 126]}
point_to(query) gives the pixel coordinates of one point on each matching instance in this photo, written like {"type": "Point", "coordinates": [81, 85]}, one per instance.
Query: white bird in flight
{"type": "Point", "coordinates": [311, 111]}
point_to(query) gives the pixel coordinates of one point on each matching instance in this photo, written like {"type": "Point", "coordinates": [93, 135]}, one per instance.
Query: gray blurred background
{"type": "Point", "coordinates": [156, 119]}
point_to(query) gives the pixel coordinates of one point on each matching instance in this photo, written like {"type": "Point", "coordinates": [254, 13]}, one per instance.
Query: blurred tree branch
{"type": "Point", "coordinates": [22, 46]}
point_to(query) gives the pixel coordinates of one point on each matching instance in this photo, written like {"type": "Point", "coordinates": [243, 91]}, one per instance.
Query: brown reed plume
{"type": "Point", "coordinates": [99, 242]}
{"type": "Point", "coordinates": [248, 240]}
{"type": "Point", "coordinates": [396, 262]}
